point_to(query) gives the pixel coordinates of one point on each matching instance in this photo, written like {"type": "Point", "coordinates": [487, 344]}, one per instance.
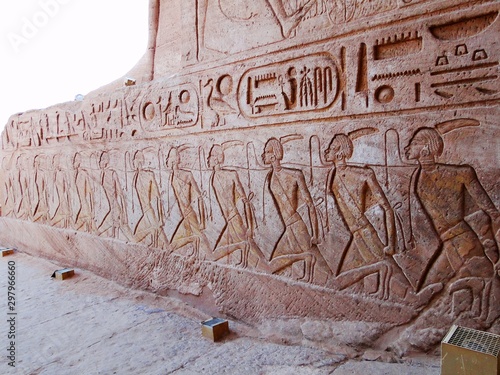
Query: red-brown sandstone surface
{"type": "Point", "coordinates": [326, 168]}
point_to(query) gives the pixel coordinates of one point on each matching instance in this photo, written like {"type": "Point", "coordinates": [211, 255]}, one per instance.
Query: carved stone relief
{"type": "Point", "coordinates": [264, 22]}
{"type": "Point", "coordinates": [333, 169]}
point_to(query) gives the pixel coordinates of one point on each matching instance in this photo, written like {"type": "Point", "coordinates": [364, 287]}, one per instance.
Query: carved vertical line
{"type": "Point", "coordinates": [122, 125]}
{"type": "Point", "coordinates": [248, 166]}
{"type": "Point", "coordinates": [318, 84]}
{"type": "Point", "coordinates": [328, 81]}
{"type": "Point", "coordinates": [417, 92]}
{"type": "Point", "coordinates": [362, 77]}
{"type": "Point", "coordinates": [311, 179]}
{"type": "Point", "coordinates": [202, 100]}
{"type": "Point", "coordinates": [344, 84]}
{"type": "Point", "coordinates": [201, 154]}
{"type": "Point", "coordinates": [386, 161]}
{"type": "Point", "coordinates": [249, 91]}
{"type": "Point", "coordinates": [159, 168]}
{"type": "Point", "coordinates": [197, 27]}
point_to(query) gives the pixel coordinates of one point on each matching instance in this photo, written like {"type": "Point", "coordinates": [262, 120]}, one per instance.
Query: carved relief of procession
{"type": "Point", "coordinates": [398, 231]}
{"type": "Point", "coordinates": [298, 205]}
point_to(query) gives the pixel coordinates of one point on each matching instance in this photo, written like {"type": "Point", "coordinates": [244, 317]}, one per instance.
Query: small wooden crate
{"type": "Point", "coordinates": [64, 274]}
{"type": "Point", "coordinates": [215, 328]}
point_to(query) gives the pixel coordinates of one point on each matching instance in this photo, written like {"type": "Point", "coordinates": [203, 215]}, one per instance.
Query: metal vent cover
{"type": "Point", "coordinates": [478, 341]}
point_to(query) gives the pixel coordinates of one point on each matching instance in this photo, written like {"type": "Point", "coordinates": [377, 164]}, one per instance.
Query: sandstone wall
{"type": "Point", "coordinates": [324, 164]}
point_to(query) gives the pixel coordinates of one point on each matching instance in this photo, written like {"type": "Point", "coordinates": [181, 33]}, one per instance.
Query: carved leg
{"type": "Point", "coordinates": [244, 256]}
{"type": "Point", "coordinates": [494, 300]}
{"type": "Point", "coordinates": [226, 250]}
{"type": "Point", "coordinates": [387, 282]}
{"type": "Point", "coordinates": [351, 277]}
{"type": "Point", "coordinates": [279, 263]}
{"type": "Point", "coordinates": [181, 242]}
{"type": "Point", "coordinates": [476, 285]}
{"type": "Point", "coordinates": [309, 268]}
{"type": "Point", "coordinates": [425, 295]}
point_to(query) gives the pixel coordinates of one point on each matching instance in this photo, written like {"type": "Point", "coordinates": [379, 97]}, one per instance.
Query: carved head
{"type": "Point", "coordinates": [104, 159]}
{"type": "Point", "coordinates": [4, 164]}
{"type": "Point", "coordinates": [56, 161]}
{"type": "Point", "coordinates": [38, 162]}
{"type": "Point", "coordinates": [173, 158]}
{"type": "Point", "coordinates": [273, 150]}
{"type": "Point", "coordinates": [340, 148]}
{"type": "Point", "coordinates": [216, 156]}
{"type": "Point", "coordinates": [138, 159]}
{"type": "Point", "coordinates": [426, 142]}
{"type": "Point", "coordinates": [77, 160]}
{"type": "Point", "coordinates": [19, 162]}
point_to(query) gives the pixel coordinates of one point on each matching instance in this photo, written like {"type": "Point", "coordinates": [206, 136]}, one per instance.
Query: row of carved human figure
{"type": "Point", "coordinates": [439, 190]}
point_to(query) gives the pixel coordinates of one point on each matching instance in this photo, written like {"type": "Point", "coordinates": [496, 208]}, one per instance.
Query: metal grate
{"type": "Point", "coordinates": [482, 342]}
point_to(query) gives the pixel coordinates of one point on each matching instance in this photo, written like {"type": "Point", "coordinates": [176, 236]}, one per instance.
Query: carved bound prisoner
{"type": "Point", "coordinates": [350, 186]}
{"type": "Point", "coordinates": [8, 194]}
{"type": "Point", "coordinates": [237, 233]}
{"type": "Point", "coordinates": [468, 257]}
{"type": "Point", "coordinates": [115, 218]}
{"type": "Point", "coordinates": [24, 204]}
{"type": "Point", "coordinates": [187, 193]}
{"type": "Point", "coordinates": [149, 228]}
{"type": "Point", "coordinates": [41, 211]}
{"type": "Point", "coordinates": [289, 190]}
{"type": "Point", "coordinates": [365, 253]}
{"type": "Point", "coordinates": [84, 216]}
{"type": "Point", "coordinates": [62, 216]}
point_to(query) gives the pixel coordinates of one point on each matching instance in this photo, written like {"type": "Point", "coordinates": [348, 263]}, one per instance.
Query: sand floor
{"type": "Point", "coordinates": [90, 325]}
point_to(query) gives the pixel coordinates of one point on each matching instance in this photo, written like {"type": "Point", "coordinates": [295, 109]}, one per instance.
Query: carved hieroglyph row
{"type": "Point", "coordinates": [435, 63]}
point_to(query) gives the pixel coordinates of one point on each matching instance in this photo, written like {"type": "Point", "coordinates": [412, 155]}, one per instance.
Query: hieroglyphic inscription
{"type": "Point", "coordinates": [463, 70]}
{"type": "Point", "coordinates": [164, 107]}
{"type": "Point", "coordinates": [219, 101]}
{"type": "Point", "coordinates": [464, 27]}
{"type": "Point", "coordinates": [398, 45]}
{"type": "Point", "coordinates": [249, 92]}
{"type": "Point", "coordinates": [299, 85]}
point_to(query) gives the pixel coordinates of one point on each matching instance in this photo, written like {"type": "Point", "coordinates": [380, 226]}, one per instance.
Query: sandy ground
{"type": "Point", "coordinates": [90, 325]}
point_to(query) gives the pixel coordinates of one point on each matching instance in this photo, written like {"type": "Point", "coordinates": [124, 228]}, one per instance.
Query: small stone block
{"type": "Point", "coordinates": [215, 329]}
{"type": "Point", "coordinates": [63, 274]}
{"type": "Point", "coordinates": [6, 251]}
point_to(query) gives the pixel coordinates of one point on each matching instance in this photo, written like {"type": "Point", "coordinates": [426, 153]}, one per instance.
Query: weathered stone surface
{"type": "Point", "coordinates": [97, 326]}
{"type": "Point", "coordinates": [317, 163]}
